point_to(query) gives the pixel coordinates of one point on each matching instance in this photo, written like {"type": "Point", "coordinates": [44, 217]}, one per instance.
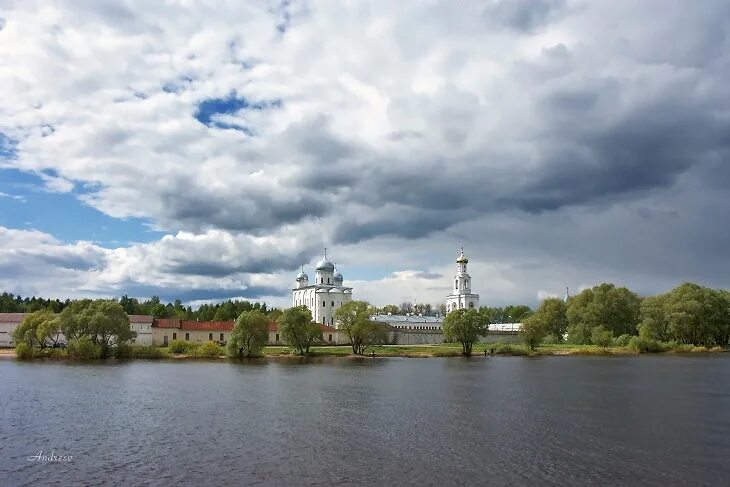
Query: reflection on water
{"type": "Point", "coordinates": [661, 420]}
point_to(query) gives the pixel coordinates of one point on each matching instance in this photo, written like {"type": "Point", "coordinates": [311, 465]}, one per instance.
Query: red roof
{"type": "Point", "coordinates": [12, 317]}
{"type": "Point", "coordinates": [166, 323]}
{"type": "Point", "coordinates": [327, 328]}
{"type": "Point", "coordinates": [207, 325]}
{"type": "Point", "coordinates": [273, 326]}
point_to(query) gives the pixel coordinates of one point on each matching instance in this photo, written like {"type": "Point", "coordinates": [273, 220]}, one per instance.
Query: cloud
{"type": "Point", "coordinates": [508, 127]}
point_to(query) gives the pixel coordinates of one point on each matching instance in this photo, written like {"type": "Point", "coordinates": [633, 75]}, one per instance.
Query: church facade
{"type": "Point", "coordinates": [325, 295]}
{"type": "Point", "coordinates": [462, 297]}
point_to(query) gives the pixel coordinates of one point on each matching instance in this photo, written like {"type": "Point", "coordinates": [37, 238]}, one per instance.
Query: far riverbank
{"type": "Point", "coordinates": [412, 351]}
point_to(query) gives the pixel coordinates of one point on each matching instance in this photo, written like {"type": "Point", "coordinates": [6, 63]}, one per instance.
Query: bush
{"type": "Point", "coordinates": [623, 340]}
{"type": "Point", "coordinates": [140, 351]}
{"type": "Point", "coordinates": [676, 346]}
{"type": "Point", "coordinates": [507, 349]}
{"type": "Point", "coordinates": [645, 345]}
{"type": "Point", "coordinates": [601, 337]}
{"type": "Point", "coordinates": [209, 350]}
{"type": "Point", "coordinates": [23, 351]}
{"type": "Point", "coordinates": [83, 348]}
{"type": "Point", "coordinates": [181, 346]}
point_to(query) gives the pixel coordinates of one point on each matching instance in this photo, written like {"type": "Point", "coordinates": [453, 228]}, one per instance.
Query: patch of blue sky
{"type": "Point", "coordinates": [63, 215]}
{"type": "Point", "coordinates": [209, 110]}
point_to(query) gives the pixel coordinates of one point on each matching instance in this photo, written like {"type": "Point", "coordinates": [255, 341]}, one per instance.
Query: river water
{"type": "Point", "coordinates": [649, 420]}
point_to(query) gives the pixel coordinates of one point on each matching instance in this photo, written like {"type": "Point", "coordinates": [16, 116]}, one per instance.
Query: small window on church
{"type": "Point", "coordinates": [471, 305]}
{"type": "Point", "coordinates": [328, 280]}
{"type": "Point", "coordinates": [324, 303]}
{"type": "Point", "coordinates": [333, 304]}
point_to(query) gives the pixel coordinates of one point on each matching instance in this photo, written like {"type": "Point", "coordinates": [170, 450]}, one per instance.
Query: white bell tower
{"type": "Point", "coordinates": [462, 297]}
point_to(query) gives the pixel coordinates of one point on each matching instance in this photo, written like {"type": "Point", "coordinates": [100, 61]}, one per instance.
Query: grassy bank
{"type": "Point", "coordinates": [416, 351]}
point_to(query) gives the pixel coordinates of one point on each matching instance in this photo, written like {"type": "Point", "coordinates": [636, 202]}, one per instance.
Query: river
{"type": "Point", "coordinates": [650, 420]}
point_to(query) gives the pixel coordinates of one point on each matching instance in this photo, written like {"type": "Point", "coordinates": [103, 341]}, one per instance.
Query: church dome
{"type": "Point", "coordinates": [338, 276]}
{"type": "Point", "coordinates": [325, 265]}
{"type": "Point", "coordinates": [462, 259]}
{"type": "Point", "coordinates": [302, 276]}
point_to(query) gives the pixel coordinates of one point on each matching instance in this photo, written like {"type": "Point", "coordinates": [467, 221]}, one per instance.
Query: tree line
{"type": "Point", "coordinates": [605, 315]}
{"type": "Point", "coordinates": [223, 311]}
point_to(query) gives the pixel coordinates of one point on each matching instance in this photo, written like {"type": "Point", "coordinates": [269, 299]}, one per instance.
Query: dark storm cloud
{"type": "Point", "coordinates": [253, 209]}
{"type": "Point", "coordinates": [202, 266]}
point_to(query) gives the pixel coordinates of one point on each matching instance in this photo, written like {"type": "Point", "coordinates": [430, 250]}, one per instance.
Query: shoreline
{"type": "Point", "coordinates": [404, 351]}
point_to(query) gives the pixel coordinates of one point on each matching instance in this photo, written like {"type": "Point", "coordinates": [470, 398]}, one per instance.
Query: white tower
{"type": "Point", "coordinates": [462, 296]}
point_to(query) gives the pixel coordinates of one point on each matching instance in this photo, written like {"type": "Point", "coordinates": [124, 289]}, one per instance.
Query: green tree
{"type": "Point", "coordinates": [697, 315]}
{"type": "Point", "coordinates": [390, 308]}
{"type": "Point", "coordinates": [103, 322]}
{"type": "Point", "coordinates": [354, 320]}
{"type": "Point", "coordinates": [465, 326]}
{"type": "Point", "coordinates": [601, 337]}
{"type": "Point", "coordinates": [653, 318]}
{"type": "Point", "coordinates": [534, 329]}
{"type": "Point", "coordinates": [551, 313]}
{"type": "Point", "coordinates": [250, 335]}
{"type": "Point", "coordinates": [38, 330]}
{"type": "Point", "coordinates": [298, 330]}
{"type": "Point", "coordinates": [616, 309]}
{"type": "Point", "coordinates": [517, 313]}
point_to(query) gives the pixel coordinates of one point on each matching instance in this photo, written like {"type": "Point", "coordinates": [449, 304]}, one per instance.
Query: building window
{"type": "Point", "coordinates": [328, 280]}
{"type": "Point", "coordinates": [210, 337]}
{"type": "Point", "coordinates": [221, 336]}
{"type": "Point", "coordinates": [187, 336]}
{"type": "Point", "coordinates": [277, 337]}
{"type": "Point", "coordinates": [471, 305]}
{"type": "Point", "coordinates": [456, 284]}
{"type": "Point", "coordinates": [324, 303]}
{"type": "Point", "coordinates": [329, 339]}
{"type": "Point", "coordinates": [174, 336]}
{"type": "Point", "coordinates": [323, 320]}
{"type": "Point", "coordinates": [333, 304]}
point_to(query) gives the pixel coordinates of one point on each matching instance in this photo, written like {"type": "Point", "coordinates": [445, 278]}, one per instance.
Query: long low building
{"type": "Point", "coordinates": [417, 330]}
{"type": "Point", "coordinates": [161, 331]}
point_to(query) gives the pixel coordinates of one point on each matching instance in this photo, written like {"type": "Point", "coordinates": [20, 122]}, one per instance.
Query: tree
{"type": "Point", "coordinates": [103, 322]}
{"type": "Point", "coordinates": [250, 334]}
{"type": "Point", "coordinates": [689, 313]}
{"type": "Point", "coordinates": [653, 323]}
{"type": "Point", "coordinates": [465, 326]}
{"type": "Point", "coordinates": [390, 309]}
{"type": "Point", "coordinates": [616, 309]}
{"type": "Point", "coordinates": [517, 313]}
{"type": "Point", "coordinates": [37, 330]}
{"type": "Point", "coordinates": [534, 329]}
{"type": "Point", "coordinates": [354, 320]}
{"type": "Point", "coordinates": [601, 337]}
{"type": "Point", "coordinates": [551, 312]}
{"type": "Point", "coordinates": [406, 307]}
{"type": "Point", "coordinates": [297, 329]}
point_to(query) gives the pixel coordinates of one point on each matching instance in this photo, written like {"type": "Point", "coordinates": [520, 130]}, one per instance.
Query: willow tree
{"type": "Point", "coordinates": [465, 326]}
{"type": "Point", "coordinates": [354, 320]}
{"type": "Point", "coordinates": [297, 329]}
{"type": "Point", "coordinates": [250, 334]}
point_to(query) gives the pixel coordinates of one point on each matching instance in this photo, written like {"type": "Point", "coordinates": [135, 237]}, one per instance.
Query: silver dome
{"type": "Point", "coordinates": [302, 276]}
{"type": "Point", "coordinates": [325, 265]}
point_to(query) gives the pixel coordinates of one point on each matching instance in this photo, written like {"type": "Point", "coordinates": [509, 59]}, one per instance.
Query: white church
{"type": "Point", "coordinates": [325, 295]}
{"type": "Point", "coordinates": [328, 293]}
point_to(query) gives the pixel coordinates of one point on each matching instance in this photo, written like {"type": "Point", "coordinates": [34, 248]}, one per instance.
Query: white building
{"type": "Point", "coordinates": [462, 296]}
{"type": "Point", "coordinates": [325, 295]}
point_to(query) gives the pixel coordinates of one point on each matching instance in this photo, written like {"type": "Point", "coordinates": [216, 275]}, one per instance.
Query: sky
{"type": "Point", "coordinates": [207, 150]}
